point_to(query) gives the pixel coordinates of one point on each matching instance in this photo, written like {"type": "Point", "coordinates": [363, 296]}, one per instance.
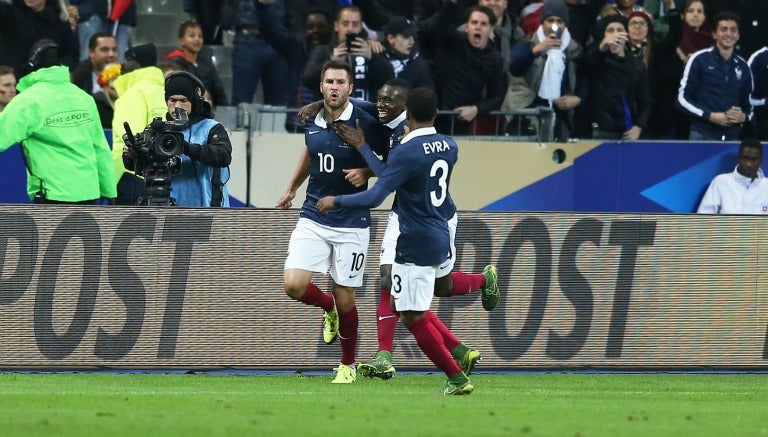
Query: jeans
{"type": "Point", "coordinates": [254, 61]}
{"type": "Point", "coordinates": [88, 28]}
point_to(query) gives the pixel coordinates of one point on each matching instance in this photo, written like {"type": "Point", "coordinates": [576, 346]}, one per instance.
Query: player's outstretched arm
{"type": "Point", "coordinates": [299, 176]}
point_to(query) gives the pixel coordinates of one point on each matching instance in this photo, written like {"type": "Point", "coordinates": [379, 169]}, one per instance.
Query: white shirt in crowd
{"type": "Point", "coordinates": [734, 193]}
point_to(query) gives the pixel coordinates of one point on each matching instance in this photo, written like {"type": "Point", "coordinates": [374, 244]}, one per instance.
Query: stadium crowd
{"type": "Point", "coordinates": [621, 69]}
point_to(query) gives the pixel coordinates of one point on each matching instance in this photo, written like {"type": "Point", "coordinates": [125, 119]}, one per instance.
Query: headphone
{"type": "Point", "coordinates": [34, 60]}
{"type": "Point", "coordinates": [199, 100]}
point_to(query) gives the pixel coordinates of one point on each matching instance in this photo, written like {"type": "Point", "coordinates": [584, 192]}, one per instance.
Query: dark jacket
{"type": "Point", "coordinates": [21, 27]}
{"type": "Point", "coordinates": [758, 63]}
{"type": "Point", "coordinates": [614, 80]}
{"type": "Point", "coordinates": [378, 72]}
{"type": "Point", "coordinates": [205, 71]}
{"type": "Point", "coordinates": [414, 69]}
{"type": "Point", "coordinates": [464, 75]}
{"type": "Point", "coordinates": [82, 76]}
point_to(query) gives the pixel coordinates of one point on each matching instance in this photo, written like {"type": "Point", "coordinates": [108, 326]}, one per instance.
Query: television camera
{"type": "Point", "coordinates": [157, 152]}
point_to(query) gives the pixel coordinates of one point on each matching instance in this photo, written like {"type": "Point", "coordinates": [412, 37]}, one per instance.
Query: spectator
{"type": "Point", "coordinates": [102, 50]}
{"type": "Point", "coordinates": [140, 90]}
{"type": "Point", "coordinates": [209, 13]}
{"type": "Point", "coordinates": [469, 73]}
{"type": "Point", "coordinates": [544, 70]}
{"type": "Point", "coordinates": [687, 34]}
{"type": "Point", "coordinates": [619, 99]}
{"type": "Point", "coordinates": [716, 86]}
{"type": "Point", "coordinates": [743, 191]}
{"type": "Point", "coordinates": [207, 149]}
{"type": "Point", "coordinates": [255, 60]}
{"type": "Point", "coordinates": [506, 30]}
{"type": "Point", "coordinates": [372, 70]}
{"type": "Point", "coordinates": [753, 26]}
{"type": "Point", "coordinates": [96, 16]}
{"type": "Point", "coordinates": [640, 33]}
{"type": "Point", "coordinates": [168, 66]}
{"type": "Point", "coordinates": [582, 17]}
{"type": "Point", "coordinates": [7, 86]}
{"type": "Point", "coordinates": [402, 53]}
{"type": "Point", "coordinates": [621, 7]}
{"type": "Point", "coordinates": [23, 22]}
{"type": "Point", "coordinates": [190, 59]}
{"type": "Point", "coordinates": [317, 32]}
{"type": "Point", "coordinates": [758, 64]}
{"type": "Point", "coordinates": [67, 162]}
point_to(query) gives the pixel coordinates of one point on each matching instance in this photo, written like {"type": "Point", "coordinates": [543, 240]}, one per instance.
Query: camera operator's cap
{"type": "Point", "coordinates": [145, 55]}
{"type": "Point", "coordinates": [400, 26]}
{"type": "Point", "coordinates": [555, 8]}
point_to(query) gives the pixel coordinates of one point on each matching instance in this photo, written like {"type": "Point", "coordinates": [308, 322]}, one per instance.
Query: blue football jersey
{"type": "Point", "coordinates": [419, 171]}
{"type": "Point", "coordinates": [328, 157]}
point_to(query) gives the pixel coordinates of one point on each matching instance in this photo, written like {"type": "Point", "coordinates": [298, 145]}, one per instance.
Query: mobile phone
{"type": "Point", "coordinates": [351, 37]}
{"type": "Point", "coordinates": [557, 32]}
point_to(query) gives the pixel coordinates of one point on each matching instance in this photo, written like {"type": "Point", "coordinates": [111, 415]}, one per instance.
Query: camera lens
{"type": "Point", "coordinates": [169, 145]}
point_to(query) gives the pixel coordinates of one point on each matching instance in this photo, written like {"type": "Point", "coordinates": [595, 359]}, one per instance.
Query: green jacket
{"type": "Point", "coordinates": [140, 98]}
{"type": "Point", "coordinates": [58, 125]}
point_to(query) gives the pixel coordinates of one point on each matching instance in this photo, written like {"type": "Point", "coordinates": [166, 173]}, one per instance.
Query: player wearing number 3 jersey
{"type": "Point", "coordinates": [339, 241]}
{"type": "Point", "coordinates": [419, 171]}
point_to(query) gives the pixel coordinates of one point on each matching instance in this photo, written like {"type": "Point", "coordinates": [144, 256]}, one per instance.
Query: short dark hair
{"type": "Point", "coordinates": [402, 84]}
{"type": "Point", "coordinates": [314, 10]}
{"type": "Point", "coordinates": [348, 8]}
{"type": "Point", "coordinates": [93, 41]}
{"type": "Point", "coordinates": [751, 143]}
{"type": "Point", "coordinates": [726, 16]}
{"type": "Point", "coordinates": [338, 65]}
{"type": "Point", "coordinates": [4, 69]}
{"type": "Point", "coordinates": [186, 25]}
{"type": "Point", "coordinates": [422, 104]}
{"type": "Point", "coordinates": [485, 10]}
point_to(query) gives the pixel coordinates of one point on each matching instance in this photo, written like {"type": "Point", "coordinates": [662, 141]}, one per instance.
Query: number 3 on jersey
{"type": "Point", "coordinates": [439, 170]}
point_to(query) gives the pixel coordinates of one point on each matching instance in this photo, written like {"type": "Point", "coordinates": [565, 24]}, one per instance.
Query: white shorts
{"type": "Point", "coordinates": [320, 249]}
{"type": "Point", "coordinates": [413, 286]}
{"type": "Point", "coordinates": [389, 242]}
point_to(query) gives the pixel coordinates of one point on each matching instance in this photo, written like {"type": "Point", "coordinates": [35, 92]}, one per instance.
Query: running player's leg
{"type": "Point", "coordinates": [307, 253]}
{"type": "Point", "coordinates": [386, 318]}
{"type": "Point", "coordinates": [413, 291]}
{"type": "Point", "coordinates": [465, 283]}
{"type": "Point", "coordinates": [349, 253]}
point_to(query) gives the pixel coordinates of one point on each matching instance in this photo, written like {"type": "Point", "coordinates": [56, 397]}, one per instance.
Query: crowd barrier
{"type": "Point", "coordinates": [176, 288]}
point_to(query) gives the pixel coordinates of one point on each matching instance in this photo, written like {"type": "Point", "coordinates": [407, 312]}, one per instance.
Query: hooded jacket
{"type": "Point", "coordinates": [64, 146]}
{"type": "Point", "coordinates": [141, 97]}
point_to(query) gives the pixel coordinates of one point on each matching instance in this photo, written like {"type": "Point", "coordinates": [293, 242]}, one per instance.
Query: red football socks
{"type": "Point", "coordinates": [315, 297]}
{"type": "Point", "coordinates": [386, 321]}
{"type": "Point", "coordinates": [348, 335]}
{"type": "Point", "coordinates": [464, 283]}
{"type": "Point", "coordinates": [449, 339]}
{"type": "Point", "coordinates": [430, 342]}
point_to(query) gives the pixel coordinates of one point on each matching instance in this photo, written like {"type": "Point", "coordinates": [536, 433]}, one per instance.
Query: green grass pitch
{"type": "Point", "coordinates": [540, 404]}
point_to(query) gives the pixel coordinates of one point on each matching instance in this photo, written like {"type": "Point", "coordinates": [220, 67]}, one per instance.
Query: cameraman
{"type": "Point", "coordinates": [67, 155]}
{"type": "Point", "coordinates": [207, 149]}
